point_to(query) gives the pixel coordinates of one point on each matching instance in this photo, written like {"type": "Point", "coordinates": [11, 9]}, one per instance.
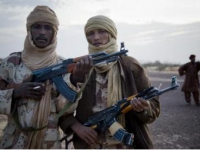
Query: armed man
{"type": "Point", "coordinates": [32, 107]}
{"type": "Point", "coordinates": [108, 84]}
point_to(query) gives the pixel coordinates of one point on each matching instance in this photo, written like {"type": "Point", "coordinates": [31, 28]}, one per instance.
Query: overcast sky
{"type": "Point", "coordinates": [164, 30]}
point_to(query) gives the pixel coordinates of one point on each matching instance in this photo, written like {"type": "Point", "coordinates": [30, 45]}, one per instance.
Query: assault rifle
{"type": "Point", "coordinates": [107, 117]}
{"type": "Point", "coordinates": [54, 73]}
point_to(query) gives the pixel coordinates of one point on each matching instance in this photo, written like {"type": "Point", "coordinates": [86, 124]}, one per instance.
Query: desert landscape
{"type": "Point", "coordinates": [178, 126]}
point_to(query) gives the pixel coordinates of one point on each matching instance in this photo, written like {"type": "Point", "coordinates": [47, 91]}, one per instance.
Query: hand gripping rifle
{"type": "Point", "coordinates": [107, 117]}
{"type": "Point", "coordinates": [54, 73]}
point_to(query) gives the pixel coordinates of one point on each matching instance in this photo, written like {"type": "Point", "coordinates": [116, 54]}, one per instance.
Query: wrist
{"type": "Point", "coordinates": [75, 126]}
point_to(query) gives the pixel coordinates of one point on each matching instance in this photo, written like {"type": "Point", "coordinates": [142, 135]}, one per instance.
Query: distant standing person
{"type": "Point", "coordinates": [191, 83]}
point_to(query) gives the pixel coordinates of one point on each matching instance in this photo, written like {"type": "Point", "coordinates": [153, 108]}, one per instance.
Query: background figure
{"type": "Point", "coordinates": [191, 83]}
{"type": "Point", "coordinates": [32, 107]}
{"type": "Point", "coordinates": [109, 83]}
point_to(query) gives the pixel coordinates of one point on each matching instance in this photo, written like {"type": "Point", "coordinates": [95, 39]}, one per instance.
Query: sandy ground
{"type": "Point", "coordinates": [178, 126]}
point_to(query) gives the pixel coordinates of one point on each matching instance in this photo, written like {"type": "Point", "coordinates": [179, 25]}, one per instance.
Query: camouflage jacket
{"type": "Point", "coordinates": [12, 70]}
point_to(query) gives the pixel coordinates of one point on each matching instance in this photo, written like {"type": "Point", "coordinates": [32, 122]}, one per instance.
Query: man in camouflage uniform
{"type": "Point", "coordinates": [32, 107]}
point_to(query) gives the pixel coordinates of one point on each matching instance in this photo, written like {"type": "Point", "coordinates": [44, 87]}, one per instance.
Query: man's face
{"type": "Point", "coordinates": [42, 34]}
{"type": "Point", "coordinates": [98, 37]}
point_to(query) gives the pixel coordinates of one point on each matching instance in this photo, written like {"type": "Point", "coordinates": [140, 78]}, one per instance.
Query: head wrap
{"type": "Point", "coordinates": [33, 56]}
{"type": "Point", "coordinates": [102, 22]}
{"type": "Point", "coordinates": [42, 14]}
